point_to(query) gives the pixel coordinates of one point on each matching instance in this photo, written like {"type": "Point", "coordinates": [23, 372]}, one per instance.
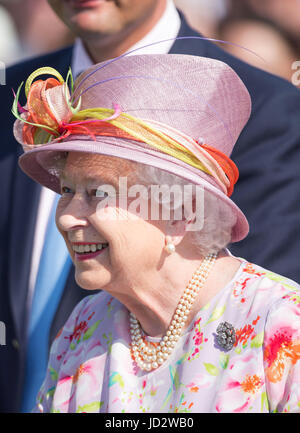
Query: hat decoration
{"type": "Point", "coordinates": [51, 115]}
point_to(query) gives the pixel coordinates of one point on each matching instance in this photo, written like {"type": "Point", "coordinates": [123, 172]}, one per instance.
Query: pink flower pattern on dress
{"type": "Point", "coordinates": [91, 369]}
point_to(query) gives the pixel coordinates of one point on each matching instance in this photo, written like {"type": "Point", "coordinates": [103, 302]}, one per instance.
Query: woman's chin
{"type": "Point", "coordinates": [90, 281]}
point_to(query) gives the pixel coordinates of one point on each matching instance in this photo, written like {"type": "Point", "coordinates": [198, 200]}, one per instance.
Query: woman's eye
{"type": "Point", "coordinates": [65, 190]}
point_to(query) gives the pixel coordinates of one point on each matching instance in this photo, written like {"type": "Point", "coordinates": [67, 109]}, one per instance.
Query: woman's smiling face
{"type": "Point", "coordinates": [107, 245]}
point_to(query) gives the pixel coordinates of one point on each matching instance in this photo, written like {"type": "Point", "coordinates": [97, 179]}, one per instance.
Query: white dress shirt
{"type": "Point", "coordinates": [166, 28]}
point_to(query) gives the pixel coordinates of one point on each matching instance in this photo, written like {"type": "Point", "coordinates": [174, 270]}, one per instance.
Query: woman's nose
{"type": "Point", "coordinates": [72, 214]}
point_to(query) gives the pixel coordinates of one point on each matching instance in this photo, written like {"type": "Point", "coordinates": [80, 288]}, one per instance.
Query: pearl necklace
{"type": "Point", "coordinates": [150, 356]}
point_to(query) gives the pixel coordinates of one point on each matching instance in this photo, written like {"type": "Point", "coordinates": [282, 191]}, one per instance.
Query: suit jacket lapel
{"type": "Point", "coordinates": [64, 61]}
{"type": "Point", "coordinates": [196, 47]}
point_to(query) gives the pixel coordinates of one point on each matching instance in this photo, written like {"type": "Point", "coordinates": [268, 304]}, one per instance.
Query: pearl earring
{"type": "Point", "coordinates": [170, 248]}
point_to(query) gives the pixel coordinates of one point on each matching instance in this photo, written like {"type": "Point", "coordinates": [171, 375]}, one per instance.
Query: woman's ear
{"type": "Point", "coordinates": [176, 231]}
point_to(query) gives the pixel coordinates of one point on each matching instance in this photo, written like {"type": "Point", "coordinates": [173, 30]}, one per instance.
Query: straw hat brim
{"type": "Point", "coordinates": [38, 164]}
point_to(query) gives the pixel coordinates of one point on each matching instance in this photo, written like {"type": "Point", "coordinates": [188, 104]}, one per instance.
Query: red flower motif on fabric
{"type": "Point", "coordinates": [239, 288]}
{"type": "Point", "coordinates": [280, 350]}
{"type": "Point", "coordinates": [110, 301]}
{"type": "Point", "coordinates": [250, 269]}
{"type": "Point", "coordinates": [80, 329]}
{"type": "Point", "coordinates": [243, 335]}
{"type": "Point", "coordinates": [251, 384]}
{"type": "Point", "coordinates": [197, 337]}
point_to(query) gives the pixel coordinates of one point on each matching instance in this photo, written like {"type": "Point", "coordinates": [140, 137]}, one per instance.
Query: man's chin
{"type": "Point", "coordinates": [88, 24]}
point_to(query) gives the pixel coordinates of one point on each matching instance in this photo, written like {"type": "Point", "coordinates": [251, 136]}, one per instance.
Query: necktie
{"type": "Point", "coordinates": [53, 271]}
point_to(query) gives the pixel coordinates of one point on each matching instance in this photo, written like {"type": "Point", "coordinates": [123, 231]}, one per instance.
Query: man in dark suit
{"type": "Point", "coordinates": [267, 154]}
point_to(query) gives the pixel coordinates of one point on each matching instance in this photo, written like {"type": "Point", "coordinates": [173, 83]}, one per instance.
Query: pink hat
{"type": "Point", "coordinates": [156, 109]}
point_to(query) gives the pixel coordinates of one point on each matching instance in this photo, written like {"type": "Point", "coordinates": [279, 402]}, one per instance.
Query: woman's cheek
{"type": "Point", "coordinates": [109, 213]}
{"type": "Point", "coordinates": [61, 205]}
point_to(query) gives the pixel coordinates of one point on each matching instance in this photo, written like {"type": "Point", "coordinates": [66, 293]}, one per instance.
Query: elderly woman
{"type": "Point", "coordinates": [140, 155]}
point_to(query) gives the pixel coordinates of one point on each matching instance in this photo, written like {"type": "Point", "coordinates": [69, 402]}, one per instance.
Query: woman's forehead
{"type": "Point", "coordinates": [89, 165]}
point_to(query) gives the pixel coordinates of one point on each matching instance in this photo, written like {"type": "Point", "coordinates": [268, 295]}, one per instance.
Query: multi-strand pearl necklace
{"type": "Point", "coordinates": [150, 356]}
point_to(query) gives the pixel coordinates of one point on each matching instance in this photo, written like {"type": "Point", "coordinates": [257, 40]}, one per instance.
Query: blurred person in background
{"type": "Point", "coordinates": [38, 29]}
{"type": "Point", "coordinates": [203, 15]}
{"type": "Point", "coordinates": [9, 42]}
{"type": "Point", "coordinates": [270, 28]}
{"type": "Point", "coordinates": [267, 153]}
{"type": "Point", "coordinates": [286, 14]}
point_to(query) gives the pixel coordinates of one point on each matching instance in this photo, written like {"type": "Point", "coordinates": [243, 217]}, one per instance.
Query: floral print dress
{"type": "Point", "coordinates": [91, 370]}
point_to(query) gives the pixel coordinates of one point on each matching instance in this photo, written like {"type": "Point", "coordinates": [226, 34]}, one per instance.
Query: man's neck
{"type": "Point", "coordinates": [106, 48]}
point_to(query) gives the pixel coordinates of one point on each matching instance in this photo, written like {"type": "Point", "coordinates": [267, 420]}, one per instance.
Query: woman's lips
{"type": "Point", "coordinates": [87, 256]}
{"type": "Point", "coordinates": [88, 250]}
